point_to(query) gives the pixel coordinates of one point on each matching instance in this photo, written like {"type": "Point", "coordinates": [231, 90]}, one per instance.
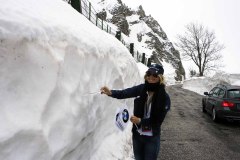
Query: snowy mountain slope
{"type": "Point", "coordinates": [144, 31]}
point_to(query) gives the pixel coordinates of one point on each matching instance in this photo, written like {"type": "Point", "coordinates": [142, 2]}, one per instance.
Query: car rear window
{"type": "Point", "coordinates": [234, 93]}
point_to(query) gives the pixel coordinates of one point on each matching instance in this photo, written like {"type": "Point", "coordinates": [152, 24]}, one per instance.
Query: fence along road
{"type": "Point", "coordinates": [85, 8]}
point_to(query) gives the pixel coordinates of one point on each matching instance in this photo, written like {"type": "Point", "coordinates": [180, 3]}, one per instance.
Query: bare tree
{"type": "Point", "coordinates": [200, 45]}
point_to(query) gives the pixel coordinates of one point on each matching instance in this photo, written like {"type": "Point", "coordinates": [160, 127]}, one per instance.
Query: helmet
{"type": "Point", "coordinates": [156, 68]}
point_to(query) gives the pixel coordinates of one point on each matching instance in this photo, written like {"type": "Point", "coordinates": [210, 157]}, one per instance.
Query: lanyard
{"type": "Point", "coordinates": [148, 106]}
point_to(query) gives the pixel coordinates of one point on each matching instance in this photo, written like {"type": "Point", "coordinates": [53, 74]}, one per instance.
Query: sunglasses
{"type": "Point", "coordinates": [148, 74]}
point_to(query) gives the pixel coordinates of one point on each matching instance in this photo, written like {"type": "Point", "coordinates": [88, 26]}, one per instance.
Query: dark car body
{"type": "Point", "coordinates": [222, 102]}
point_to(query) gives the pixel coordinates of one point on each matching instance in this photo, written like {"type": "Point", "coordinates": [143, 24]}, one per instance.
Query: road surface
{"type": "Point", "coordinates": [189, 134]}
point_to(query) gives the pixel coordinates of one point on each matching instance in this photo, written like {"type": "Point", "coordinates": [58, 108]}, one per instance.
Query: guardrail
{"type": "Point", "coordinates": [85, 8]}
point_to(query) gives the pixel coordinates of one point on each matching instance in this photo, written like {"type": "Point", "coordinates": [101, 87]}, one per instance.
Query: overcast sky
{"type": "Point", "coordinates": [220, 16]}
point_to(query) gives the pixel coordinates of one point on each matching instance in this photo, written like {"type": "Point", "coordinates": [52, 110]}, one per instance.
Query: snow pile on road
{"type": "Point", "coordinates": [205, 84]}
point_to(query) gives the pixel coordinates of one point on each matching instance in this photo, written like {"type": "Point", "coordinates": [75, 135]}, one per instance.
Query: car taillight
{"type": "Point", "coordinates": [227, 104]}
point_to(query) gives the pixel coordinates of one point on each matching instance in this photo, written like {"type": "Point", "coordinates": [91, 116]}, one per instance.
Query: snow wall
{"type": "Point", "coordinates": [53, 61]}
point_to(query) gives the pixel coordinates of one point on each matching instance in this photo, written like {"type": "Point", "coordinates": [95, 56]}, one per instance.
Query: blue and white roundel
{"type": "Point", "coordinates": [125, 115]}
{"type": "Point", "coordinates": [122, 118]}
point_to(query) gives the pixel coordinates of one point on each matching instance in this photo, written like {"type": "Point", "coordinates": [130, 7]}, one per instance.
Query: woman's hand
{"type": "Point", "coordinates": [135, 120]}
{"type": "Point", "coordinates": [106, 90]}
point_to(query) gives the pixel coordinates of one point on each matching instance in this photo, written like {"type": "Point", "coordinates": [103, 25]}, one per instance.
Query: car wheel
{"type": "Point", "coordinates": [214, 115]}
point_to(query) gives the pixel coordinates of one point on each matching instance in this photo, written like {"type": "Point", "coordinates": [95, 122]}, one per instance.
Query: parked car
{"type": "Point", "coordinates": [222, 102]}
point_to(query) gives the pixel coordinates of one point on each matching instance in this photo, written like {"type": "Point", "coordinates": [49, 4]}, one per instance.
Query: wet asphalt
{"type": "Point", "coordinates": [189, 134]}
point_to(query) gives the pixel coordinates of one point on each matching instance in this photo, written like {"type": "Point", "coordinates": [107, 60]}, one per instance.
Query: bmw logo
{"type": "Point", "coordinates": [125, 115]}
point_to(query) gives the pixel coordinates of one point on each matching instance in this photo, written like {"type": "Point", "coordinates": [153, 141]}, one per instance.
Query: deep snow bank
{"type": "Point", "coordinates": [52, 62]}
{"type": "Point", "coordinates": [205, 84]}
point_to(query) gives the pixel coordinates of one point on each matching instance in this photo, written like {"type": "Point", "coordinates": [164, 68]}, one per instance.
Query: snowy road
{"type": "Point", "coordinates": [189, 134]}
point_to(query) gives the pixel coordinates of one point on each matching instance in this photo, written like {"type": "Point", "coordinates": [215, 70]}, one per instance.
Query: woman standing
{"type": "Point", "coordinates": [150, 108]}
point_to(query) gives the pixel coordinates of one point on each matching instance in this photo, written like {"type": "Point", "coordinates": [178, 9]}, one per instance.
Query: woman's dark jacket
{"type": "Point", "coordinates": [160, 105]}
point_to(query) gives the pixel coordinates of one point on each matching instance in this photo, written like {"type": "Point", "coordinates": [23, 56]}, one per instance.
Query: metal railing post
{"type": "Point", "coordinates": [118, 35]}
{"type": "Point", "coordinates": [80, 6]}
{"type": "Point", "coordinates": [132, 49]}
{"type": "Point", "coordinates": [90, 11]}
{"type": "Point", "coordinates": [102, 24]}
{"type": "Point", "coordinates": [76, 4]}
{"type": "Point", "coordinates": [143, 58]}
{"type": "Point", "coordinates": [149, 62]}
